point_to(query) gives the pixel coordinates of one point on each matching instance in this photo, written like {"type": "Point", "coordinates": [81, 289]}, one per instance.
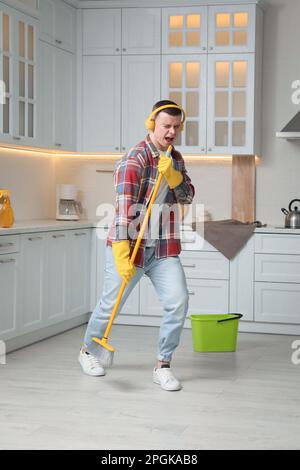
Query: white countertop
{"type": "Point", "coordinates": [46, 225]}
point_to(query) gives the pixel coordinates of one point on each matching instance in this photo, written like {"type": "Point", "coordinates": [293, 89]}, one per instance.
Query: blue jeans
{"type": "Point", "coordinates": [168, 279]}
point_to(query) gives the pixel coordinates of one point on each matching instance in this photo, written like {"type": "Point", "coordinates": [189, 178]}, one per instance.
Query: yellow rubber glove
{"type": "Point", "coordinates": [121, 252]}
{"type": "Point", "coordinates": [173, 177]}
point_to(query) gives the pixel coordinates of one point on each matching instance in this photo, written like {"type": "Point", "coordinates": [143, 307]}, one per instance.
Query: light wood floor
{"type": "Point", "coordinates": [244, 400]}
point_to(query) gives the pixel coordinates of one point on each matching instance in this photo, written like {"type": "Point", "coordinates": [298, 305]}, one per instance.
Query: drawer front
{"type": "Point", "coordinates": [277, 302]}
{"type": "Point", "coordinates": [277, 268]}
{"type": "Point", "coordinates": [9, 244]}
{"type": "Point", "coordinates": [273, 243]}
{"type": "Point", "coordinates": [205, 265]}
{"type": "Point", "coordinates": [191, 240]}
{"type": "Point", "coordinates": [207, 296]}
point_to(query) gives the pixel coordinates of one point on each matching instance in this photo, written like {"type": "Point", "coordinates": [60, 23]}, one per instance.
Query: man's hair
{"type": "Point", "coordinates": [171, 111]}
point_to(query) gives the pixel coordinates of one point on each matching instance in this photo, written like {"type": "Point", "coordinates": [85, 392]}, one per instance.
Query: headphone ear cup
{"type": "Point", "coordinates": [150, 124]}
{"type": "Point", "coordinates": [181, 126]}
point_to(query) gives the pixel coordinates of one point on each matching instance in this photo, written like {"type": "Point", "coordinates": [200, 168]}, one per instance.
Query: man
{"type": "Point", "coordinates": [134, 179]}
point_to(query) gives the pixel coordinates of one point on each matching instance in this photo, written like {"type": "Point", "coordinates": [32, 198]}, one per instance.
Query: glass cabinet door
{"type": "Point", "coordinates": [184, 82]}
{"type": "Point", "coordinates": [184, 30]}
{"type": "Point", "coordinates": [230, 104]}
{"type": "Point", "coordinates": [231, 28]}
{"type": "Point", "coordinates": [6, 73]}
{"type": "Point", "coordinates": [26, 80]}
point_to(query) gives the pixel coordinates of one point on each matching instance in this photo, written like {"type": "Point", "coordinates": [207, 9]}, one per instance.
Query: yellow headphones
{"type": "Point", "coordinates": [150, 122]}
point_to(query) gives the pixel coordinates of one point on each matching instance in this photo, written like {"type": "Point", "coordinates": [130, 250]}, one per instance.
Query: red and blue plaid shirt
{"type": "Point", "coordinates": [134, 179]}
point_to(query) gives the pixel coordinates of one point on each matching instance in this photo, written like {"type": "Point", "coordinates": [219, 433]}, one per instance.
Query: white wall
{"type": "Point", "coordinates": [31, 180]}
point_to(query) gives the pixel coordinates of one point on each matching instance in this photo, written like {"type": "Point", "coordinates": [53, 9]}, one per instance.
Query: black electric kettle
{"type": "Point", "coordinates": [292, 216]}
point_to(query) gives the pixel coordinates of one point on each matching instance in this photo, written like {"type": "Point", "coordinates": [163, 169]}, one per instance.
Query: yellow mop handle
{"type": "Point", "coordinates": [135, 250]}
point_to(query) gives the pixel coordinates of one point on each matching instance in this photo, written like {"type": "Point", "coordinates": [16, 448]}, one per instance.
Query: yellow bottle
{"type": "Point", "coordinates": [6, 212]}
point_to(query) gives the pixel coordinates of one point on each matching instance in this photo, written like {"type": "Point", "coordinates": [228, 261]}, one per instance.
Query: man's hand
{"type": "Point", "coordinates": [121, 252]}
{"type": "Point", "coordinates": [165, 166]}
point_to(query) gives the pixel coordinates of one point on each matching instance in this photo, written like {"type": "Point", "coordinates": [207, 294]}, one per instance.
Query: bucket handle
{"type": "Point", "coordinates": [236, 317]}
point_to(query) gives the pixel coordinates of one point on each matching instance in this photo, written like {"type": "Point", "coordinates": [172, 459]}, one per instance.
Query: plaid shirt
{"type": "Point", "coordinates": [134, 179]}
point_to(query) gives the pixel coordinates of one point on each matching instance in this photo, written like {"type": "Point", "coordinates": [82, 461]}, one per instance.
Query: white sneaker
{"type": "Point", "coordinates": [90, 364]}
{"type": "Point", "coordinates": [165, 378]}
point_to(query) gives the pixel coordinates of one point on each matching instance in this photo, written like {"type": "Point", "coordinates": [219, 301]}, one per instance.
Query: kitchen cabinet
{"type": "Point", "coordinates": [184, 30]}
{"type": "Point", "coordinates": [277, 278]}
{"type": "Point", "coordinates": [232, 28]}
{"type": "Point", "coordinates": [9, 286]}
{"type": "Point", "coordinates": [58, 24]}
{"type": "Point", "coordinates": [18, 72]}
{"type": "Point", "coordinates": [78, 272]}
{"type": "Point", "coordinates": [230, 106]}
{"type": "Point", "coordinates": [114, 31]}
{"type": "Point", "coordinates": [57, 97]}
{"type": "Point", "coordinates": [33, 270]}
{"type": "Point", "coordinates": [56, 277]}
{"type": "Point", "coordinates": [114, 109]}
{"type": "Point", "coordinates": [185, 83]}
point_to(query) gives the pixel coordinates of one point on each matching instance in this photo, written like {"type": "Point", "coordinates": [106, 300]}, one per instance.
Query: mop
{"type": "Point", "coordinates": [100, 347]}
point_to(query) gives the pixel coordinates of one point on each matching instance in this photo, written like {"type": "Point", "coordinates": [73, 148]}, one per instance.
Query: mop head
{"type": "Point", "coordinates": [102, 351]}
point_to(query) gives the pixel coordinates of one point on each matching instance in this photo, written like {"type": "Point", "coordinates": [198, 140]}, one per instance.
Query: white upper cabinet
{"type": "Point", "coordinates": [230, 115]}
{"type": "Point", "coordinates": [18, 61]}
{"type": "Point", "coordinates": [101, 119]}
{"type": "Point", "coordinates": [102, 31]}
{"type": "Point", "coordinates": [121, 31]}
{"type": "Point", "coordinates": [184, 82]}
{"type": "Point", "coordinates": [184, 30]}
{"type": "Point", "coordinates": [231, 28]}
{"type": "Point", "coordinates": [58, 21]}
{"type": "Point", "coordinates": [141, 31]}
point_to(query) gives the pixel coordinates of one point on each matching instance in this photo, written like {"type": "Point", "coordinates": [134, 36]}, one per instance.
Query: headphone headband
{"type": "Point", "coordinates": [174, 106]}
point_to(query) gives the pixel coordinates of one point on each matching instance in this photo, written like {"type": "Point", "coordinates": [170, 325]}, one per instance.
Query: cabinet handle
{"type": "Point", "coordinates": [209, 149]}
{"type": "Point", "coordinates": [5, 261]}
{"type": "Point", "coordinates": [211, 48]}
{"type": "Point", "coordinates": [79, 234]}
{"type": "Point", "coordinates": [123, 148]}
{"type": "Point", "coordinates": [204, 48]}
{"type": "Point", "coordinates": [58, 236]}
{"type": "Point", "coordinates": [124, 50]}
{"type": "Point", "coordinates": [15, 137]}
{"type": "Point", "coordinates": [188, 265]}
{"type": "Point", "coordinates": [191, 292]}
{"type": "Point", "coordinates": [117, 148]}
{"type": "Point", "coordinates": [117, 49]}
{"type": "Point", "coordinates": [2, 245]}
{"type": "Point", "coordinates": [58, 41]}
{"type": "Point", "coordinates": [202, 149]}
{"type": "Point", "coordinates": [34, 238]}
{"type": "Point", "coordinates": [57, 144]}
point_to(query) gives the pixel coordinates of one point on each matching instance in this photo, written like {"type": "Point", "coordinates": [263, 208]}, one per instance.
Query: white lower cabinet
{"type": "Point", "coordinates": [277, 302]}
{"type": "Point", "coordinates": [56, 277]}
{"type": "Point", "coordinates": [78, 272]}
{"type": "Point", "coordinates": [33, 269]}
{"type": "Point", "coordinates": [9, 286]}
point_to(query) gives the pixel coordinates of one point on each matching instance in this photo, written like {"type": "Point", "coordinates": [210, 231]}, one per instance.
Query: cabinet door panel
{"type": "Point", "coordinates": [9, 290]}
{"type": "Point", "coordinates": [141, 31]}
{"type": "Point", "coordinates": [64, 33]}
{"type": "Point", "coordinates": [78, 272]}
{"type": "Point", "coordinates": [184, 82]}
{"type": "Point", "coordinates": [277, 302]}
{"type": "Point", "coordinates": [101, 104]}
{"type": "Point", "coordinates": [231, 28]}
{"type": "Point", "coordinates": [64, 134]}
{"type": "Point", "coordinates": [207, 296]}
{"type": "Point", "coordinates": [32, 315]}
{"type": "Point", "coordinates": [56, 279]}
{"type": "Point", "coordinates": [102, 31]}
{"type": "Point", "coordinates": [230, 106]}
{"type": "Point", "coordinates": [184, 30]}
{"type": "Point", "coordinates": [140, 90]}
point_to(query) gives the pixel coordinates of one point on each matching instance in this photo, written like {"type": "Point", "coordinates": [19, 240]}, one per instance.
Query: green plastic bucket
{"type": "Point", "coordinates": [215, 333]}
